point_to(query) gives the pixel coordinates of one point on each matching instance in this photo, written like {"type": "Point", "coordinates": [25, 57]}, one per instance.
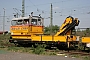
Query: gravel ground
{"type": "Point", "coordinates": [26, 56]}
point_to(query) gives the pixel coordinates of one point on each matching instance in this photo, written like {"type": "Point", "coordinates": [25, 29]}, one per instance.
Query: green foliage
{"type": "Point", "coordinates": [53, 53]}
{"type": "Point", "coordinates": [55, 28]}
{"type": "Point", "coordinates": [86, 58]}
{"type": "Point", "coordinates": [39, 49]}
{"type": "Point", "coordinates": [4, 41]}
{"type": "Point", "coordinates": [49, 53]}
{"type": "Point", "coordinates": [47, 30]}
{"type": "Point", "coordinates": [57, 50]}
{"type": "Point", "coordinates": [85, 32]}
{"type": "Point", "coordinates": [4, 37]}
{"type": "Point", "coordinates": [15, 49]}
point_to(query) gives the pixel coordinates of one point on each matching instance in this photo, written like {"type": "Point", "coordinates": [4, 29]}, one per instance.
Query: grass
{"type": "Point", "coordinates": [3, 51]}
{"type": "Point", "coordinates": [86, 58]}
{"type": "Point", "coordinates": [19, 49]}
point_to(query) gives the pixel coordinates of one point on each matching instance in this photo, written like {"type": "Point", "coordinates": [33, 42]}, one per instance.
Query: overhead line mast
{"type": "Point", "coordinates": [23, 8]}
{"type": "Point", "coordinates": [51, 18]}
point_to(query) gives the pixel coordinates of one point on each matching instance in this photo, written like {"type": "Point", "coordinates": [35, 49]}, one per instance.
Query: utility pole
{"type": "Point", "coordinates": [3, 21]}
{"type": "Point", "coordinates": [51, 18]}
{"type": "Point", "coordinates": [23, 8]}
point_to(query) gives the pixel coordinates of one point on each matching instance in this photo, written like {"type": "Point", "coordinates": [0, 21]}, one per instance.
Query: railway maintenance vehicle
{"type": "Point", "coordinates": [30, 30]}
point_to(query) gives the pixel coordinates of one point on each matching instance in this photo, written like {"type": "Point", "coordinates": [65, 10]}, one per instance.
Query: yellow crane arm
{"type": "Point", "coordinates": [68, 25]}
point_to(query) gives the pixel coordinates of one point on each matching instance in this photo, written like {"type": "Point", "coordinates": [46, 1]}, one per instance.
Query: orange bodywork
{"type": "Point", "coordinates": [85, 39]}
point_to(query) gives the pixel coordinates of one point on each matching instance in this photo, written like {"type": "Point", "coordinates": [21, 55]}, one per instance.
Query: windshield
{"type": "Point", "coordinates": [16, 22]}
{"type": "Point", "coordinates": [36, 21]}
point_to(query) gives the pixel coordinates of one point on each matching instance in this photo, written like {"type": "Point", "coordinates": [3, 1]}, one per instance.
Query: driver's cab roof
{"type": "Point", "coordinates": [21, 18]}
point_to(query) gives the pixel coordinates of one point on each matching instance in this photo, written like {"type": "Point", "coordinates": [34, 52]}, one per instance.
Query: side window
{"type": "Point", "coordinates": [34, 22]}
{"type": "Point", "coordinates": [14, 22]}
{"type": "Point", "coordinates": [19, 22]}
{"type": "Point", "coordinates": [26, 21]}
{"type": "Point", "coordinates": [39, 22]}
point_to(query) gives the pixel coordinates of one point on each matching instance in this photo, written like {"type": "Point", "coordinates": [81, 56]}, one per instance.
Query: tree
{"type": "Point", "coordinates": [47, 29]}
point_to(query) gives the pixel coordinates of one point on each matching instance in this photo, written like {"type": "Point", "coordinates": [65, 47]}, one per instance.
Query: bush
{"type": "Point", "coordinates": [4, 41]}
{"type": "Point", "coordinates": [39, 49]}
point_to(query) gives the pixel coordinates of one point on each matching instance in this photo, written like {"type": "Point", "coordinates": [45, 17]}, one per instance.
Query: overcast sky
{"type": "Point", "coordinates": [61, 9]}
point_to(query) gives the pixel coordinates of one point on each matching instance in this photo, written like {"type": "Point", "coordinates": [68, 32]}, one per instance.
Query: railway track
{"type": "Point", "coordinates": [71, 52]}
{"type": "Point", "coordinates": [77, 53]}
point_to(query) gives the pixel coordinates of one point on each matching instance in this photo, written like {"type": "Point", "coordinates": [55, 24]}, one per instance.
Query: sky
{"type": "Point", "coordinates": [61, 9]}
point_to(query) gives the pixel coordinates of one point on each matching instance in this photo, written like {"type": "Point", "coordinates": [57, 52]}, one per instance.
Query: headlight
{"type": "Point", "coordinates": [11, 33]}
{"type": "Point", "coordinates": [88, 45]}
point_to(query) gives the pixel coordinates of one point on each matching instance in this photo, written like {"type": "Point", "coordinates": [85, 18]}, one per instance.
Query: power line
{"type": "Point", "coordinates": [63, 1]}
{"type": "Point", "coordinates": [45, 4]}
{"type": "Point", "coordinates": [38, 10]}
{"type": "Point", "coordinates": [17, 12]}
{"type": "Point", "coordinates": [33, 3]}
{"type": "Point", "coordinates": [48, 3]}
